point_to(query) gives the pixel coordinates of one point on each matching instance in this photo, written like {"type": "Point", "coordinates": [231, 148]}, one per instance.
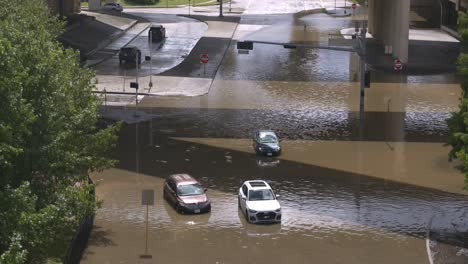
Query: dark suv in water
{"type": "Point", "coordinates": [267, 143]}
{"type": "Point", "coordinates": [186, 194]}
{"type": "Point", "coordinates": [130, 54]}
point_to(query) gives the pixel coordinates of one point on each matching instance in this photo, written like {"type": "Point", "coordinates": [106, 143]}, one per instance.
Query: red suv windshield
{"type": "Point", "coordinates": [189, 189]}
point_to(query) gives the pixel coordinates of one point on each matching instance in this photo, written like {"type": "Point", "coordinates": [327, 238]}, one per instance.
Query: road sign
{"type": "Point", "coordinates": [354, 6]}
{"type": "Point", "coordinates": [147, 197]}
{"type": "Point", "coordinates": [134, 85]}
{"type": "Point", "coordinates": [398, 66]}
{"type": "Point", "coordinates": [245, 45]}
{"type": "Point", "coordinates": [204, 58]}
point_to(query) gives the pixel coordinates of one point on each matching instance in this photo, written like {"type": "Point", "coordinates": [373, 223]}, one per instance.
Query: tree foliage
{"type": "Point", "coordinates": [458, 122]}
{"type": "Point", "coordinates": [48, 135]}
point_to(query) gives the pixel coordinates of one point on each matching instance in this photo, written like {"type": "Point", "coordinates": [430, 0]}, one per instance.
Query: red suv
{"type": "Point", "coordinates": [186, 194]}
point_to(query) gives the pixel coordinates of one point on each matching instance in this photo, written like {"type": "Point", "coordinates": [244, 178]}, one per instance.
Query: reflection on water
{"type": "Point", "coordinates": [317, 202]}
{"type": "Point", "coordinates": [301, 124]}
{"type": "Point", "coordinates": [322, 210]}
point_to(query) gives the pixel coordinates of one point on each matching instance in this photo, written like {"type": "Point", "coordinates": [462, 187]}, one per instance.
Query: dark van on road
{"type": "Point", "coordinates": [186, 194]}
{"type": "Point", "coordinates": [157, 33]}
{"type": "Point", "coordinates": [129, 54]}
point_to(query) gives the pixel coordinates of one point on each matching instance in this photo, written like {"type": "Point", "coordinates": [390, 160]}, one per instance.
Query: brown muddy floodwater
{"type": "Point", "coordinates": [331, 213]}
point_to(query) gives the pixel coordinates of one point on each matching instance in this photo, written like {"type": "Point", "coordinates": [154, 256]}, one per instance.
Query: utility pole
{"type": "Point", "coordinates": [137, 58]}
{"type": "Point", "coordinates": [220, 8]}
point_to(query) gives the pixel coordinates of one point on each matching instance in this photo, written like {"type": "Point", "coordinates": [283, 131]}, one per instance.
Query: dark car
{"type": "Point", "coordinates": [113, 7]}
{"type": "Point", "coordinates": [186, 194]}
{"type": "Point", "coordinates": [157, 33]}
{"type": "Point", "coordinates": [129, 54]}
{"type": "Point", "coordinates": [266, 142]}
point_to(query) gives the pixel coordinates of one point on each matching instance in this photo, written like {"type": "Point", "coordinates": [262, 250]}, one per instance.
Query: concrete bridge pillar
{"type": "Point", "coordinates": [389, 24]}
{"type": "Point", "coordinates": [401, 37]}
{"type": "Point", "coordinates": [94, 5]}
{"type": "Point", "coordinates": [370, 15]}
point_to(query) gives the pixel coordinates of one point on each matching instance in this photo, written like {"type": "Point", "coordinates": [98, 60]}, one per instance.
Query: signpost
{"type": "Point", "coordinates": [204, 59]}
{"type": "Point", "coordinates": [398, 66]}
{"type": "Point", "coordinates": [220, 8]}
{"type": "Point", "coordinates": [150, 58]}
{"type": "Point", "coordinates": [147, 198]}
{"type": "Point", "coordinates": [135, 84]}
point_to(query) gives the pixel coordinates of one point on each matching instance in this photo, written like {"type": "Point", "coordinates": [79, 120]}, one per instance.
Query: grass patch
{"type": "Point", "coordinates": [213, 2]}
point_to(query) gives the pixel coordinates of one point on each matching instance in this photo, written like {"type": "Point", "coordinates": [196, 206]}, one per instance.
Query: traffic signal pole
{"type": "Point", "coordinates": [362, 55]}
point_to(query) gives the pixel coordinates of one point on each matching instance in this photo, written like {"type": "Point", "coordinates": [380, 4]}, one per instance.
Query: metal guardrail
{"type": "Point", "coordinates": [79, 242]}
{"type": "Point", "coordinates": [340, 40]}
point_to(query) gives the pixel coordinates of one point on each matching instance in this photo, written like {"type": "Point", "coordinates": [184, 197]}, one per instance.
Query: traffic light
{"type": "Point", "coordinates": [367, 80]}
{"type": "Point", "coordinates": [245, 45]}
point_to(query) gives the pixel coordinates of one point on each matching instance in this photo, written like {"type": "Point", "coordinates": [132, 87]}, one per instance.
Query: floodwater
{"type": "Point", "coordinates": [330, 213]}
{"type": "Point", "coordinates": [381, 193]}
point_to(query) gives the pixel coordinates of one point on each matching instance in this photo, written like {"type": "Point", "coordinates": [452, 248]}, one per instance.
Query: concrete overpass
{"type": "Point", "coordinates": [389, 21]}
{"type": "Point", "coordinates": [68, 7]}
{"type": "Point", "coordinates": [64, 7]}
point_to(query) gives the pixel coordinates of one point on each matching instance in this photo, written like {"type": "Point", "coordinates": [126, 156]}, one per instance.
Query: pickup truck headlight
{"type": "Point", "coordinates": [252, 211]}
{"type": "Point", "coordinates": [278, 210]}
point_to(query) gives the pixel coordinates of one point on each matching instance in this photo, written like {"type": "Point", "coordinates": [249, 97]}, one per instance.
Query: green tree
{"type": "Point", "coordinates": [48, 135]}
{"type": "Point", "coordinates": [458, 122]}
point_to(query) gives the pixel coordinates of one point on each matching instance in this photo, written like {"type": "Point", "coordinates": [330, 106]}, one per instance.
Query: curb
{"type": "Point", "coordinates": [309, 12]}
{"type": "Point", "coordinates": [415, 69]}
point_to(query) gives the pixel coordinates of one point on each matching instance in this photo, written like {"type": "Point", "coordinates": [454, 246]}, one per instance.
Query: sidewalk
{"type": "Point", "coordinates": [189, 78]}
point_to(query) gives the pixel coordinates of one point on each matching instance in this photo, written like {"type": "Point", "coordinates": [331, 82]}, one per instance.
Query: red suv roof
{"type": "Point", "coordinates": [183, 179]}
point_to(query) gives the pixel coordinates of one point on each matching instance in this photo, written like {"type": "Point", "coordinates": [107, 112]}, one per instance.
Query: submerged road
{"type": "Point", "coordinates": [348, 195]}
